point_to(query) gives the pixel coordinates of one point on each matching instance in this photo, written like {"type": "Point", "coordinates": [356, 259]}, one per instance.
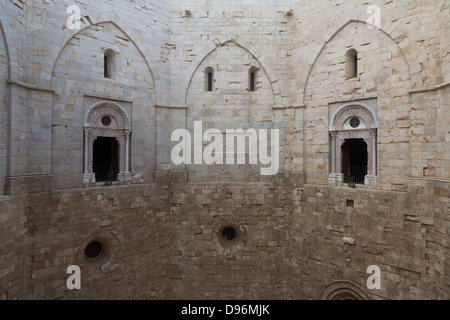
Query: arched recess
{"type": "Point", "coordinates": [252, 50]}
{"type": "Point", "coordinates": [317, 51]}
{"type": "Point", "coordinates": [343, 290]}
{"type": "Point", "coordinates": [117, 127]}
{"type": "Point", "coordinates": [102, 19]}
{"type": "Point", "coordinates": [342, 134]}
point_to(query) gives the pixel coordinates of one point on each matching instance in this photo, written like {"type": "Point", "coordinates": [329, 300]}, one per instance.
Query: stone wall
{"type": "Point", "coordinates": [15, 233]}
{"type": "Point", "coordinates": [4, 75]}
{"type": "Point", "coordinates": [162, 231]}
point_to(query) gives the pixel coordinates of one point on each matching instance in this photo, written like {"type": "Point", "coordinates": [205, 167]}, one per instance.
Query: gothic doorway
{"type": "Point", "coordinates": [354, 160]}
{"type": "Point", "coordinates": [105, 159]}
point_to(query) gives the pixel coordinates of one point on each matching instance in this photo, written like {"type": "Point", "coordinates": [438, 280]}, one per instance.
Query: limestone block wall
{"type": "Point", "coordinates": [430, 133]}
{"type": "Point", "coordinates": [231, 105]}
{"type": "Point", "coordinates": [162, 232]}
{"type": "Point", "coordinates": [131, 222]}
{"type": "Point", "coordinates": [382, 73]}
{"type": "Point", "coordinates": [131, 82]}
{"type": "Point", "coordinates": [255, 266]}
{"type": "Point", "coordinates": [410, 42]}
{"type": "Point", "coordinates": [15, 232]}
{"type": "Point", "coordinates": [340, 232]}
{"type": "Point", "coordinates": [213, 23]}
{"type": "Point", "coordinates": [4, 74]}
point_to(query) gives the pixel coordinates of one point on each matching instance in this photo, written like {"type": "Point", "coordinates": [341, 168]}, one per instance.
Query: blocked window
{"type": "Point", "coordinates": [351, 64]}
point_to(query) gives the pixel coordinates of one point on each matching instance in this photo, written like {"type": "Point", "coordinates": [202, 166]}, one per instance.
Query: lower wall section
{"type": "Point", "coordinates": [15, 230]}
{"type": "Point", "coordinates": [131, 222]}
{"type": "Point", "coordinates": [255, 265]}
{"type": "Point", "coordinates": [167, 241]}
{"type": "Point", "coordinates": [340, 232]}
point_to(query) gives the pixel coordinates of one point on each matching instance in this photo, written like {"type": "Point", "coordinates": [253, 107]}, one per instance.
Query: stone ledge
{"type": "Point", "coordinates": [28, 183]}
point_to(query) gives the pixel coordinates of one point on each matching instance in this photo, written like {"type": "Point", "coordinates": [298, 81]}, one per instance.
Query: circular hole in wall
{"type": "Point", "coordinates": [93, 250]}
{"type": "Point", "coordinates": [229, 234]}
{"type": "Point", "coordinates": [97, 252]}
{"type": "Point", "coordinates": [106, 121]}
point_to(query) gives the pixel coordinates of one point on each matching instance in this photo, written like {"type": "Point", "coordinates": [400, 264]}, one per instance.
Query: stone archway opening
{"type": "Point", "coordinates": [354, 160]}
{"type": "Point", "coordinates": [105, 162]}
{"type": "Point", "coordinates": [353, 144]}
{"type": "Point", "coordinates": [107, 138]}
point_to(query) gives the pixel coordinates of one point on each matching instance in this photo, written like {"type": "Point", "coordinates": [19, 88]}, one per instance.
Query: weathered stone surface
{"type": "Point", "coordinates": [300, 233]}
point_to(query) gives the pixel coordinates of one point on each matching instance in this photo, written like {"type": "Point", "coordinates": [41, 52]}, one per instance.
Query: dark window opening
{"type": "Point", "coordinates": [105, 67]}
{"type": "Point", "coordinates": [106, 121]}
{"type": "Point", "coordinates": [93, 249]}
{"type": "Point", "coordinates": [229, 234]}
{"type": "Point", "coordinates": [210, 81]}
{"type": "Point", "coordinates": [106, 159]}
{"type": "Point", "coordinates": [252, 81]}
{"type": "Point", "coordinates": [350, 203]}
{"type": "Point", "coordinates": [354, 161]}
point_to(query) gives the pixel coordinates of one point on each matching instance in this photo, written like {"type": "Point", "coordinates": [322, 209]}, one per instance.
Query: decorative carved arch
{"type": "Point", "coordinates": [252, 50]}
{"type": "Point", "coordinates": [343, 108]}
{"type": "Point", "coordinates": [331, 35]}
{"type": "Point", "coordinates": [343, 290]}
{"type": "Point", "coordinates": [103, 19]}
{"type": "Point", "coordinates": [111, 104]}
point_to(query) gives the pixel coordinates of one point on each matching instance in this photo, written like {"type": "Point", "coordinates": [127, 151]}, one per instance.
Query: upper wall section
{"type": "Point", "coordinates": [259, 27]}
{"type": "Point", "coordinates": [418, 28]}
{"type": "Point", "coordinates": [80, 82]}
{"type": "Point", "coordinates": [34, 50]}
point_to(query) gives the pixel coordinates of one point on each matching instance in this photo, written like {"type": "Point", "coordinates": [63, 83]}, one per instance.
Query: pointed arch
{"type": "Point", "coordinates": [252, 50]}
{"type": "Point", "coordinates": [330, 36]}
{"type": "Point", "coordinates": [103, 19]}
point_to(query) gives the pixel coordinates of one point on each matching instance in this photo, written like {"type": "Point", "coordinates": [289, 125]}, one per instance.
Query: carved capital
{"type": "Point", "coordinates": [373, 132]}
{"type": "Point", "coordinates": [127, 133]}
{"type": "Point", "coordinates": [87, 131]}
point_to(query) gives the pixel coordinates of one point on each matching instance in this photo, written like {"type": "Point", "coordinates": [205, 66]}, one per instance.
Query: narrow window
{"type": "Point", "coordinates": [351, 64]}
{"type": "Point", "coordinates": [108, 64]}
{"type": "Point", "coordinates": [252, 79]}
{"type": "Point", "coordinates": [209, 79]}
{"type": "Point", "coordinates": [105, 67]}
